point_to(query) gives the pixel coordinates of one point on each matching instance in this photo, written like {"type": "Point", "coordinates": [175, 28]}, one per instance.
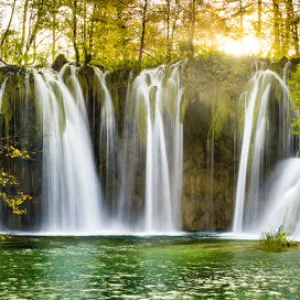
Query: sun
{"type": "Point", "coordinates": [249, 45]}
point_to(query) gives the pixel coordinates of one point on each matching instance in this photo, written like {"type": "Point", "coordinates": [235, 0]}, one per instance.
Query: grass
{"type": "Point", "coordinates": [277, 241]}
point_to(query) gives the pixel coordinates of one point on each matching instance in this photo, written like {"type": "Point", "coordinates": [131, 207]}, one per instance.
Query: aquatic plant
{"type": "Point", "coordinates": [277, 241]}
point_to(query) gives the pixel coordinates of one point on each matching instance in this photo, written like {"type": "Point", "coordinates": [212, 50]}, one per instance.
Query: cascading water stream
{"type": "Point", "coordinates": [129, 162]}
{"type": "Point", "coordinates": [150, 169]}
{"type": "Point", "coordinates": [154, 103]}
{"type": "Point", "coordinates": [2, 89]}
{"type": "Point", "coordinates": [283, 206]}
{"type": "Point", "coordinates": [73, 84]}
{"type": "Point", "coordinates": [177, 158]}
{"type": "Point", "coordinates": [71, 191]}
{"type": "Point", "coordinates": [283, 209]}
{"type": "Point", "coordinates": [108, 140]}
{"type": "Point", "coordinates": [241, 184]}
{"type": "Point", "coordinates": [255, 141]}
{"type": "Point", "coordinates": [160, 206]}
{"type": "Point", "coordinates": [158, 195]}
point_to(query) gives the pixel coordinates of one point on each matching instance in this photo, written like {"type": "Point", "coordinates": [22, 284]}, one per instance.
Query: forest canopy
{"type": "Point", "coordinates": [139, 33]}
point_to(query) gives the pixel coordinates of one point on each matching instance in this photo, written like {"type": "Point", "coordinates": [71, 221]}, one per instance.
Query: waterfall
{"type": "Point", "coordinates": [71, 191]}
{"type": "Point", "coordinates": [283, 208]}
{"type": "Point", "coordinates": [129, 164]}
{"type": "Point", "coordinates": [68, 118]}
{"type": "Point", "coordinates": [283, 205]}
{"type": "Point", "coordinates": [108, 141]}
{"type": "Point", "coordinates": [141, 170]}
{"type": "Point", "coordinates": [74, 87]}
{"type": "Point", "coordinates": [2, 89]}
{"type": "Point", "coordinates": [154, 134]}
{"type": "Point", "coordinates": [255, 146]}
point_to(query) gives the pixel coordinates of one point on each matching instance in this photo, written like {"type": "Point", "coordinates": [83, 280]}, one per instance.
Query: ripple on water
{"type": "Point", "coordinates": [86, 269]}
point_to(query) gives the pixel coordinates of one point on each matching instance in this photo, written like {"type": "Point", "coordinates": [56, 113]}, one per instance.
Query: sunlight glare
{"type": "Point", "coordinates": [248, 46]}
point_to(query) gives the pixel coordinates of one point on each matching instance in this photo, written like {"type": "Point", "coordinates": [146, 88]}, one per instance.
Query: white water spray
{"type": "Point", "coordinates": [255, 140]}
{"type": "Point", "coordinates": [71, 191]}
{"type": "Point", "coordinates": [154, 101]}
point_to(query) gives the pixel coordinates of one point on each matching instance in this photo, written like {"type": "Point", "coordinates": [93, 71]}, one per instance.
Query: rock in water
{"type": "Point", "coordinates": [59, 61]}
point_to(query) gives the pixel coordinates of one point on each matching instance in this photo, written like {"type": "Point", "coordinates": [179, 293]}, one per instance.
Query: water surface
{"type": "Point", "coordinates": [187, 267]}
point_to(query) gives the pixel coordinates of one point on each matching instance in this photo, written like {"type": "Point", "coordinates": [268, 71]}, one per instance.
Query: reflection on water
{"type": "Point", "coordinates": [145, 268]}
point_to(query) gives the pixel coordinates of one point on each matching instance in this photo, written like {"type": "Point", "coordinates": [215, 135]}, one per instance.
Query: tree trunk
{"type": "Point", "coordinates": [168, 2]}
{"type": "Point", "coordinates": [293, 26]}
{"type": "Point", "coordinates": [36, 25]}
{"type": "Point", "coordinates": [54, 30]}
{"type": "Point", "coordinates": [177, 10]}
{"type": "Point", "coordinates": [192, 28]}
{"type": "Point", "coordinates": [34, 50]}
{"type": "Point", "coordinates": [74, 25]}
{"type": "Point", "coordinates": [142, 42]}
{"type": "Point", "coordinates": [295, 38]}
{"type": "Point", "coordinates": [5, 34]}
{"type": "Point", "coordinates": [24, 20]}
{"type": "Point", "coordinates": [276, 27]}
{"type": "Point", "coordinates": [259, 19]}
{"type": "Point", "coordinates": [241, 9]}
{"type": "Point", "coordinates": [30, 21]}
{"type": "Point", "coordinates": [91, 30]}
{"type": "Point", "coordinates": [85, 50]}
{"type": "Point", "coordinates": [288, 26]}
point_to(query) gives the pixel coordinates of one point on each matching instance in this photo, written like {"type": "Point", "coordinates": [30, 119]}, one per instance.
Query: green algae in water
{"type": "Point", "coordinates": [185, 267]}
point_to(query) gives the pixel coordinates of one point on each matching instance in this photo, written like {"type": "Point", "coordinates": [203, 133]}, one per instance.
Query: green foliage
{"type": "Point", "coordinates": [15, 199]}
{"type": "Point", "coordinates": [15, 202]}
{"type": "Point", "coordinates": [183, 108]}
{"type": "Point", "coordinates": [294, 85]}
{"type": "Point", "coordinates": [277, 241]}
{"type": "Point", "coordinates": [14, 152]}
{"type": "Point", "coordinates": [7, 180]}
{"type": "Point", "coordinates": [5, 237]}
{"type": "Point", "coordinates": [110, 32]}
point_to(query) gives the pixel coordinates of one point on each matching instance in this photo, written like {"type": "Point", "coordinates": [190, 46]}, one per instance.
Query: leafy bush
{"type": "Point", "coordinates": [4, 237]}
{"type": "Point", "coordinates": [277, 241]}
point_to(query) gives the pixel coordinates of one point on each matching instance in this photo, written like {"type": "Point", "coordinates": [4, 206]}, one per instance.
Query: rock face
{"type": "Point", "coordinates": [213, 124]}
{"type": "Point", "coordinates": [20, 129]}
{"type": "Point", "coordinates": [59, 61]}
{"type": "Point", "coordinates": [212, 127]}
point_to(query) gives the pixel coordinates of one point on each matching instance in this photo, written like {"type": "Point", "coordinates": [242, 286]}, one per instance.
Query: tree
{"type": "Point", "coordinates": [192, 21]}
{"type": "Point", "coordinates": [142, 39]}
{"type": "Point", "coordinates": [140, 33]}
{"type": "Point", "coordinates": [23, 33]}
{"type": "Point", "coordinates": [292, 25]}
{"type": "Point", "coordinates": [74, 29]}
{"type": "Point", "coordinates": [259, 19]}
{"type": "Point", "coordinates": [15, 198]}
{"type": "Point", "coordinates": [37, 24]}
{"type": "Point", "coordinates": [54, 26]}
{"type": "Point", "coordinates": [6, 32]}
{"type": "Point", "coordinates": [276, 27]}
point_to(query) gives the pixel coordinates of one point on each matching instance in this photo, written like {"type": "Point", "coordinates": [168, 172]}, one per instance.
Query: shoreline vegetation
{"type": "Point", "coordinates": [278, 241]}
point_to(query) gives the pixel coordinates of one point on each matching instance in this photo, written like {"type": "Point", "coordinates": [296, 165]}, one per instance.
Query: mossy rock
{"type": "Point", "coordinates": [59, 62]}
